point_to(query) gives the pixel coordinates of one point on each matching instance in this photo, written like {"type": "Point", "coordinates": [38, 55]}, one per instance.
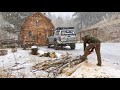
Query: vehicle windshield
{"type": "Point", "coordinates": [68, 32]}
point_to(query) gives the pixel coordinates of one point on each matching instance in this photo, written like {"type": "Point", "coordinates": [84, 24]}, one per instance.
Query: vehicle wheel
{"type": "Point", "coordinates": [24, 47]}
{"type": "Point", "coordinates": [72, 46]}
{"type": "Point", "coordinates": [48, 45]}
{"type": "Point", "coordinates": [55, 45]}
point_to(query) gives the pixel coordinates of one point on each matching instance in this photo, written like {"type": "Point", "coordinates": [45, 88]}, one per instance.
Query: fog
{"type": "Point", "coordinates": [63, 14]}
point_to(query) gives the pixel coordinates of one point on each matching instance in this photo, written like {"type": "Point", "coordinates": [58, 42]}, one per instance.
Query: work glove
{"type": "Point", "coordinates": [89, 52]}
{"type": "Point", "coordinates": [92, 50]}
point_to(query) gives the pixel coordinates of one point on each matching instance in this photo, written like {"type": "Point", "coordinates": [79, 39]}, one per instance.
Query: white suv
{"type": "Point", "coordinates": [63, 36]}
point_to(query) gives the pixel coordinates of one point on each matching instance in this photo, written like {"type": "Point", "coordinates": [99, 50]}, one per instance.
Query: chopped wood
{"type": "Point", "coordinates": [49, 54]}
{"type": "Point", "coordinates": [52, 55]}
{"type": "Point", "coordinates": [72, 70]}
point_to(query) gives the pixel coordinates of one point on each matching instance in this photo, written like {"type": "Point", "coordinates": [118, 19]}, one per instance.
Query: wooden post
{"type": "Point", "coordinates": [80, 36]}
{"type": "Point", "coordinates": [84, 33]}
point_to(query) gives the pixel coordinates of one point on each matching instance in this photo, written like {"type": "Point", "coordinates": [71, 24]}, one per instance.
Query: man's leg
{"type": "Point", "coordinates": [97, 49]}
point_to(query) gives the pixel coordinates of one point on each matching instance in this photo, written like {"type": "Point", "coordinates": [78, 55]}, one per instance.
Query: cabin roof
{"type": "Point", "coordinates": [42, 15]}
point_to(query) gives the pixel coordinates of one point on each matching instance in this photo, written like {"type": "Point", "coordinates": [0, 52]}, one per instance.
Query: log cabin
{"type": "Point", "coordinates": [35, 29]}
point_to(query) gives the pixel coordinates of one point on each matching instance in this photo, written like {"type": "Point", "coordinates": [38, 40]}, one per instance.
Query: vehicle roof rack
{"type": "Point", "coordinates": [60, 28]}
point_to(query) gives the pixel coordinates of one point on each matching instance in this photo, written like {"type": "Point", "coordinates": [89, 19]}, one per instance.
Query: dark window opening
{"type": "Point", "coordinates": [69, 32]}
{"type": "Point", "coordinates": [30, 33]}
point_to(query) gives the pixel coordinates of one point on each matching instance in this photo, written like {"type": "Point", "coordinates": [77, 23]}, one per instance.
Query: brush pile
{"type": "Point", "coordinates": [56, 66]}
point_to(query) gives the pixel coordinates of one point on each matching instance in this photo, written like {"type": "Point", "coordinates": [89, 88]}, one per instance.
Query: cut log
{"type": "Point", "coordinates": [3, 52]}
{"type": "Point", "coordinates": [72, 70]}
{"type": "Point", "coordinates": [65, 70]}
{"type": "Point", "coordinates": [61, 68]}
{"type": "Point", "coordinates": [14, 50]}
{"type": "Point", "coordinates": [34, 51]}
{"type": "Point", "coordinates": [46, 54]}
{"type": "Point", "coordinates": [52, 55]}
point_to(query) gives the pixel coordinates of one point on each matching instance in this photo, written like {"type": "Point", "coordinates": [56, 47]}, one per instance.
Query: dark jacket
{"type": "Point", "coordinates": [89, 39]}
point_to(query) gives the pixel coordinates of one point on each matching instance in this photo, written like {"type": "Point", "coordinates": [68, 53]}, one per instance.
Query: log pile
{"type": "Point", "coordinates": [3, 52]}
{"type": "Point", "coordinates": [56, 66]}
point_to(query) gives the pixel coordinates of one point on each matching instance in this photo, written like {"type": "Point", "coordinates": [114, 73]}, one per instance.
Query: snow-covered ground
{"type": "Point", "coordinates": [20, 63]}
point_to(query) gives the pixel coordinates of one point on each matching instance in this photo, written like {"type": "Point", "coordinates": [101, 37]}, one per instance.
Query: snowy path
{"type": "Point", "coordinates": [111, 53]}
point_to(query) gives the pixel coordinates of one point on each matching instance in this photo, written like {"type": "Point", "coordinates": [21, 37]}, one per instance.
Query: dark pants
{"type": "Point", "coordinates": [95, 46]}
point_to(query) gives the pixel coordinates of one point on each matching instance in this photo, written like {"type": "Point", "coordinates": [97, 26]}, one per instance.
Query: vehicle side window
{"type": "Point", "coordinates": [69, 32]}
{"type": "Point", "coordinates": [63, 32]}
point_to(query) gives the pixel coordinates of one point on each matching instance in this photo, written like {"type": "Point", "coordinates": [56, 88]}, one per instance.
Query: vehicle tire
{"type": "Point", "coordinates": [72, 46]}
{"type": "Point", "coordinates": [49, 45]}
{"type": "Point", "coordinates": [24, 47]}
{"type": "Point", "coordinates": [55, 45]}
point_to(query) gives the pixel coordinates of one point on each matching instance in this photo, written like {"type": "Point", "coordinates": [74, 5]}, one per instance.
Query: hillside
{"type": "Point", "coordinates": [109, 30]}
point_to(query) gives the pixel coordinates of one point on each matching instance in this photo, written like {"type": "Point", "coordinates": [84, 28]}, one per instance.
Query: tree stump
{"type": "Point", "coordinates": [14, 50]}
{"type": "Point", "coordinates": [3, 52]}
{"type": "Point", "coordinates": [34, 50]}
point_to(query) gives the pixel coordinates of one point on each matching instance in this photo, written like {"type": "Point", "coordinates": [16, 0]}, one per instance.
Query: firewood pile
{"type": "Point", "coordinates": [56, 66]}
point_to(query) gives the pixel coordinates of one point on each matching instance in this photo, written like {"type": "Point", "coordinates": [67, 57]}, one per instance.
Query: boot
{"type": "Point", "coordinates": [99, 64]}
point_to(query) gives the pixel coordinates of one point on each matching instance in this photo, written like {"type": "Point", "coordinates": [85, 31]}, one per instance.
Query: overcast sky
{"type": "Point", "coordinates": [63, 14]}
